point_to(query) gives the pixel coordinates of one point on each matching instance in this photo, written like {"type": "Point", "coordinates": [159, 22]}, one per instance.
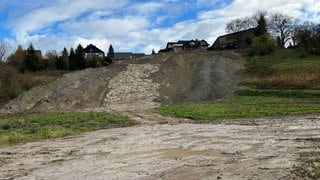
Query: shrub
{"type": "Point", "coordinates": [262, 45]}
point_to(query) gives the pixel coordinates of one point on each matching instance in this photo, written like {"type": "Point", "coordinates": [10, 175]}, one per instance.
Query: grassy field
{"type": "Point", "coordinates": [246, 106]}
{"type": "Point", "coordinates": [281, 83]}
{"type": "Point", "coordinates": [21, 128]}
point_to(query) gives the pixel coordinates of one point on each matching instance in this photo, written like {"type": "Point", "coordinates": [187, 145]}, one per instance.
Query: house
{"type": "Point", "coordinates": [92, 51]}
{"type": "Point", "coordinates": [185, 45]}
{"type": "Point", "coordinates": [239, 39]}
{"type": "Point", "coordinates": [127, 55]}
{"type": "Point", "coordinates": [174, 46]}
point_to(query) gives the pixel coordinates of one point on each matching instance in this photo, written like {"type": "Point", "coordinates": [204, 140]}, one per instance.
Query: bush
{"type": "Point", "coordinates": [262, 45]}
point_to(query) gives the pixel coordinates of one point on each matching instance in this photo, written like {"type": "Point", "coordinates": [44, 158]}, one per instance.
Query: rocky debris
{"type": "Point", "coordinates": [131, 87]}
{"type": "Point", "coordinates": [137, 85]}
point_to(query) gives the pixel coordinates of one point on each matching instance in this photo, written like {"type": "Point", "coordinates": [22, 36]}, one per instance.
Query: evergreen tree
{"type": "Point", "coordinates": [72, 60]}
{"type": "Point", "coordinates": [261, 27]}
{"type": "Point", "coordinates": [80, 57]}
{"type": "Point", "coordinates": [31, 61]}
{"type": "Point", "coordinates": [65, 58]}
{"type": "Point", "coordinates": [60, 64]}
{"type": "Point", "coordinates": [111, 52]}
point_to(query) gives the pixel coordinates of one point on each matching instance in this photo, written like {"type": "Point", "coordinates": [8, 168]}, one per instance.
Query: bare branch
{"type": "Point", "coordinates": [5, 49]}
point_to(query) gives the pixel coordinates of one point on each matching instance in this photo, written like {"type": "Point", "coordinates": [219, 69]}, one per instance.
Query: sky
{"type": "Point", "coordinates": [131, 25]}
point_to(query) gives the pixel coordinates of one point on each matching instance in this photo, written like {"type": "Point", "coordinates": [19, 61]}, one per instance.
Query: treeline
{"type": "Point", "coordinates": [31, 60]}
{"type": "Point", "coordinates": [281, 31]}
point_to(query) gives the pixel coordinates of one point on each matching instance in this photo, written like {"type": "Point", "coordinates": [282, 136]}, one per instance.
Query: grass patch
{"type": "Point", "coordinates": [249, 106]}
{"type": "Point", "coordinates": [280, 83]}
{"type": "Point", "coordinates": [317, 172]}
{"type": "Point", "coordinates": [283, 69]}
{"type": "Point", "coordinates": [21, 128]}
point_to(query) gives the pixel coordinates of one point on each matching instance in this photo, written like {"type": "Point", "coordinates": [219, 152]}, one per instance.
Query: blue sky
{"type": "Point", "coordinates": [131, 25]}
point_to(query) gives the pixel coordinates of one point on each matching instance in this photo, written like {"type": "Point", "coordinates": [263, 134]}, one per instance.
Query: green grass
{"type": "Point", "coordinates": [247, 106]}
{"type": "Point", "coordinates": [283, 69]}
{"type": "Point", "coordinates": [317, 172]}
{"type": "Point", "coordinates": [281, 83]}
{"type": "Point", "coordinates": [21, 128]}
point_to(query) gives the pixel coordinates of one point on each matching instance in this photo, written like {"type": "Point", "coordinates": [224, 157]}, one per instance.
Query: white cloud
{"type": "Point", "coordinates": [135, 25]}
{"type": "Point", "coordinates": [102, 44]}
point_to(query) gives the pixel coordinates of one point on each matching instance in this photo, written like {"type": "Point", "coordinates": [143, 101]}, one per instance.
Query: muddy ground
{"type": "Point", "coordinates": [168, 148]}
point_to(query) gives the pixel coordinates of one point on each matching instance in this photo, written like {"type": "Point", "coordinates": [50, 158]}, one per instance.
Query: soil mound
{"type": "Point", "coordinates": [138, 85]}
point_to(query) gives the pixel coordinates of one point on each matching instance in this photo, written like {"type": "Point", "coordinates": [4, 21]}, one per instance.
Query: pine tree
{"type": "Point", "coordinates": [111, 52]}
{"type": "Point", "coordinates": [65, 58]}
{"type": "Point", "coordinates": [261, 28]}
{"type": "Point", "coordinates": [31, 61]}
{"type": "Point", "coordinates": [79, 52]}
{"type": "Point", "coordinates": [72, 60]}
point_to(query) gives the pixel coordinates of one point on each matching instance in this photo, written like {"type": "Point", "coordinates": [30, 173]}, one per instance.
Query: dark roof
{"type": "Point", "coordinates": [239, 32]}
{"type": "Point", "coordinates": [92, 49]}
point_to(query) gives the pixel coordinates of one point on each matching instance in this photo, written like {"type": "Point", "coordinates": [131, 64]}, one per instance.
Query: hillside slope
{"type": "Point", "coordinates": [137, 85]}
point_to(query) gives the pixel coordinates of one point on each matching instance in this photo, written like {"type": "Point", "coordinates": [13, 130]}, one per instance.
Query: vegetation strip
{"type": "Point", "coordinates": [20, 128]}
{"type": "Point", "coordinates": [279, 83]}
{"type": "Point", "coordinates": [243, 107]}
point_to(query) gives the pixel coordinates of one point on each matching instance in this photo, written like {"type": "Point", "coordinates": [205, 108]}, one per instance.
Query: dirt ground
{"type": "Point", "coordinates": [161, 147]}
{"type": "Point", "coordinates": [137, 85]}
{"type": "Point", "coordinates": [169, 148]}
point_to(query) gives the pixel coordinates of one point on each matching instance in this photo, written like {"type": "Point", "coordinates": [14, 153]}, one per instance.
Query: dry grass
{"type": "Point", "coordinates": [13, 83]}
{"type": "Point", "coordinates": [283, 69]}
{"type": "Point", "coordinates": [287, 81]}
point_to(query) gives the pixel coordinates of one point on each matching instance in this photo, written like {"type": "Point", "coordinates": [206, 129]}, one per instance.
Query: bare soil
{"type": "Point", "coordinates": [161, 147]}
{"type": "Point", "coordinates": [137, 85]}
{"type": "Point", "coordinates": [278, 148]}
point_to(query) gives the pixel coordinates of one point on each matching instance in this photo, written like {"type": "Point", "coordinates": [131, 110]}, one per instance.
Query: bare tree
{"type": "Point", "coordinates": [237, 25]}
{"type": "Point", "coordinates": [248, 22]}
{"type": "Point", "coordinates": [282, 25]}
{"type": "Point", "coordinates": [5, 49]}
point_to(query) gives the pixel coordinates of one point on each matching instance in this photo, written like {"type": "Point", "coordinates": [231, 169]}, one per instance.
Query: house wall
{"type": "Point", "coordinates": [239, 39]}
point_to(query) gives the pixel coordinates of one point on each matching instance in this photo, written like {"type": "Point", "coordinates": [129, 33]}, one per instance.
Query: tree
{"type": "Point", "coordinates": [282, 25]}
{"type": "Point", "coordinates": [307, 37]}
{"type": "Point", "coordinates": [4, 50]}
{"type": "Point", "coordinates": [111, 52]}
{"type": "Point", "coordinates": [65, 58]}
{"type": "Point", "coordinates": [79, 53]}
{"type": "Point", "coordinates": [237, 25]}
{"type": "Point", "coordinates": [73, 64]}
{"type": "Point", "coordinates": [50, 60]}
{"type": "Point", "coordinates": [261, 28]}
{"type": "Point", "coordinates": [17, 58]}
{"type": "Point", "coordinates": [31, 61]}
{"type": "Point", "coordinates": [262, 45]}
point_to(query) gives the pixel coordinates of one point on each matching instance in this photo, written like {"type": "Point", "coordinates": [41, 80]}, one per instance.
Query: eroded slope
{"type": "Point", "coordinates": [137, 85]}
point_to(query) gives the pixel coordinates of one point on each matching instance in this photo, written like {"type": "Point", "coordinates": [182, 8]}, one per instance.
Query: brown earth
{"type": "Point", "coordinates": [137, 85]}
{"type": "Point", "coordinates": [278, 148]}
{"type": "Point", "coordinates": [161, 147]}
